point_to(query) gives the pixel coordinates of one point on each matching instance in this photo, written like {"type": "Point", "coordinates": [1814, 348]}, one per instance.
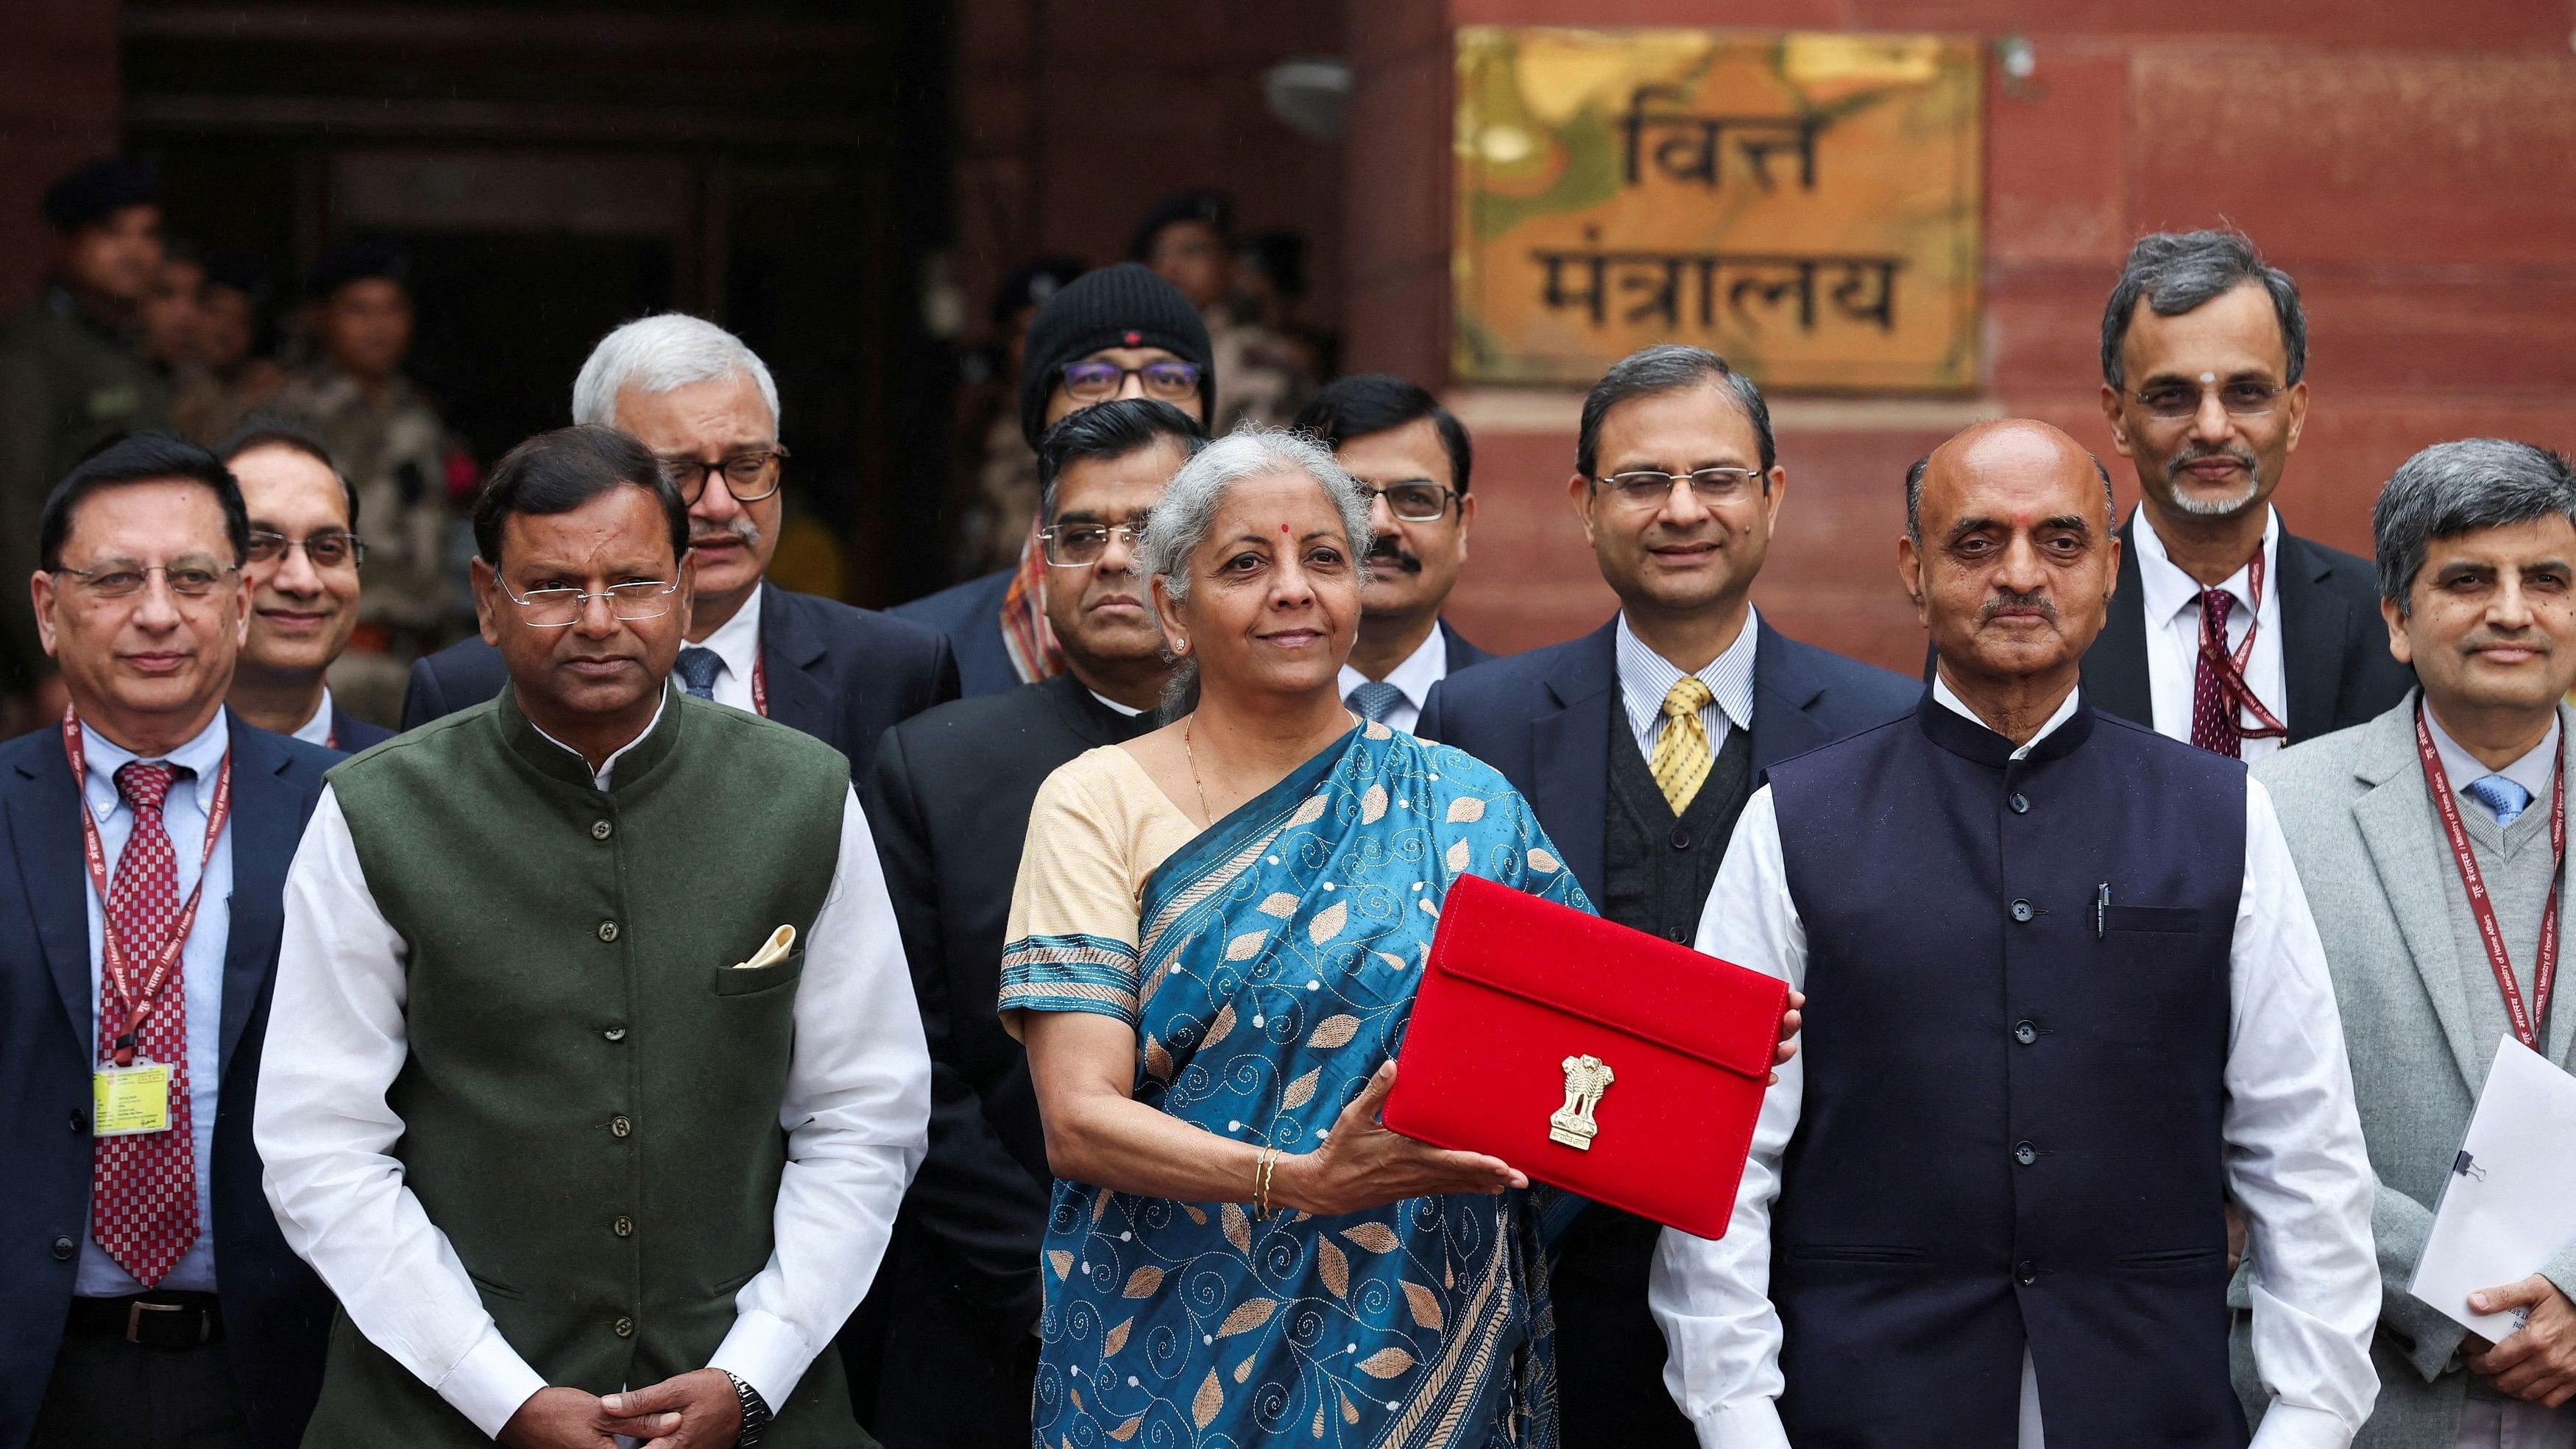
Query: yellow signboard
{"type": "Point", "coordinates": [1805, 204]}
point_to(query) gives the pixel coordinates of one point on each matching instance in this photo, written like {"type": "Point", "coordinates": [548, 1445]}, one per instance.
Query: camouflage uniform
{"type": "Point", "coordinates": [1257, 376]}
{"type": "Point", "coordinates": [67, 384]}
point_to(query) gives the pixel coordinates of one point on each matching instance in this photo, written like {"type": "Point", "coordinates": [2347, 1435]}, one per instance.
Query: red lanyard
{"type": "Point", "coordinates": [140, 998]}
{"type": "Point", "coordinates": [759, 684]}
{"type": "Point", "coordinates": [2229, 668]}
{"type": "Point", "coordinates": [2544, 971]}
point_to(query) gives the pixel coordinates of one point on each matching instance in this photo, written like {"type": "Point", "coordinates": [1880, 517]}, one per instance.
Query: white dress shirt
{"type": "Point", "coordinates": [1426, 666]}
{"type": "Point", "coordinates": [317, 730]}
{"type": "Point", "coordinates": [737, 645]}
{"type": "Point", "coordinates": [2171, 599]}
{"type": "Point", "coordinates": [201, 970]}
{"type": "Point", "coordinates": [856, 1114]}
{"type": "Point", "coordinates": [2294, 1158]}
{"type": "Point", "coordinates": [2533, 771]}
{"type": "Point", "coordinates": [1645, 677]}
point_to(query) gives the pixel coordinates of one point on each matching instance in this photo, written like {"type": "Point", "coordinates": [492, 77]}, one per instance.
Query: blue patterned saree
{"type": "Point", "coordinates": [1275, 970]}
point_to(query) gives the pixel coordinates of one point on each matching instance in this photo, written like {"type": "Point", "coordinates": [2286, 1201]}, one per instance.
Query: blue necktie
{"type": "Point", "coordinates": [1375, 700]}
{"type": "Point", "coordinates": [697, 668]}
{"type": "Point", "coordinates": [2504, 799]}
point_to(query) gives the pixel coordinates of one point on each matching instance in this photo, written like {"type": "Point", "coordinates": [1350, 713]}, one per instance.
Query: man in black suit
{"type": "Point", "coordinates": [705, 405]}
{"type": "Point", "coordinates": [1638, 746]}
{"type": "Point", "coordinates": [303, 576]}
{"type": "Point", "coordinates": [949, 798]}
{"type": "Point", "coordinates": [2226, 631]}
{"type": "Point", "coordinates": [1401, 444]}
{"type": "Point", "coordinates": [1118, 332]}
{"type": "Point", "coordinates": [148, 1298]}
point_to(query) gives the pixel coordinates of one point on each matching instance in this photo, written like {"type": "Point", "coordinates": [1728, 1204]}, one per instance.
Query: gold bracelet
{"type": "Point", "coordinates": [1262, 1169]}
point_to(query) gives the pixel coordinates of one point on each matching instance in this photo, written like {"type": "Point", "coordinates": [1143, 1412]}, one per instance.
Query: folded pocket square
{"type": "Point", "coordinates": [772, 951]}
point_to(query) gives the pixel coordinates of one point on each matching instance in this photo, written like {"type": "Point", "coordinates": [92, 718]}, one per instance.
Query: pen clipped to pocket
{"type": "Point", "coordinates": [772, 951]}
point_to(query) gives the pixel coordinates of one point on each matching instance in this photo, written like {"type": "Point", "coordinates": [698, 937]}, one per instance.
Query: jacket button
{"type": "Point", "coordinates": [620, 1127]}
{"type": "Point", "coordinates": [2019, 802]}
{"type": "Point", "coordinates": [608, 930]}
{"type": "Point", "coordinates": [623, 1227]}
{"type": "Point", "coordinates": [2025, 1032]}
{"type": "Point", "coordinates": [1681, 837]}
{"type": "Point", "coordinates": [601, 829]}
{"type": "Point", "coordinates": [2021, 911]}
{"type": "Point", "coordinates": [2027, 1271]}
{"type": "Point", "coordinates": [1678, 938]}
{"type": "Point", "coordinates": [615, 1033]}
{"type": "Point", "coordinates": [625, 1327]}
{"type": "Point", "coordinates": [2025, 1154]}
{"type": "Point", "coordinates": [80, 1120]}
{"type": "Point", "coordinates": [63, 1250]}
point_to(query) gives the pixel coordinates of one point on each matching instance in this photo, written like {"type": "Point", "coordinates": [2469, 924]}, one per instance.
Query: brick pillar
{"type": "Point", "coordinates": [59, 93]}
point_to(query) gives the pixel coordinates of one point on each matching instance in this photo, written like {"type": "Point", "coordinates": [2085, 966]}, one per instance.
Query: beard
{"type": "Point", "coordinates": [2201, 505]}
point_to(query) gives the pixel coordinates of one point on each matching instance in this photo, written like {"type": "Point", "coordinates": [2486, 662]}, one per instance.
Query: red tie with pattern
{"type": "Point", "coordinates": [143, 1188]}
{"type": "Point", "coordinates": [2214, 725]}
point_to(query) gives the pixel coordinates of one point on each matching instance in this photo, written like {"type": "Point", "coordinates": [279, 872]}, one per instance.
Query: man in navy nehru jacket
{"type": "Point", "coordinates": [2064, 999]}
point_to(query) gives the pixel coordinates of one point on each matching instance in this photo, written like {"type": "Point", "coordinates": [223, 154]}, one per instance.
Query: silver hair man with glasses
{"type": "Point", "coordinates": [607, 1079]}
{"type": "Point", "coordinates": [707, 408]}
{"type": "Point", "coordinates": [1638, 745]}
{"type": "Point", "coordinates": [302, 574]}
{"type": "Point", "coordinates": [2427, 839]}
{"type": "Point", "coordinates": [2227, 631]}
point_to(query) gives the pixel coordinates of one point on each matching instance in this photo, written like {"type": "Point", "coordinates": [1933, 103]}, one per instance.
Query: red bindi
{"type": "Point", "coordinates": [1283, 528]}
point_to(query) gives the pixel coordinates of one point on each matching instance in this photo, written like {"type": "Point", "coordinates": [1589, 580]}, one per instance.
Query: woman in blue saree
{"type": "Point", "coordinates": [1213, 949]}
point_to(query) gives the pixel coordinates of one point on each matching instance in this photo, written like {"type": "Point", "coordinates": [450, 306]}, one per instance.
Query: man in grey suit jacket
{"type": "Point", "coordinates": [2476, 550]}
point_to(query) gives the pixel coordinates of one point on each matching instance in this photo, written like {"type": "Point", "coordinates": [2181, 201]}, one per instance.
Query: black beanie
{"type": "Point", "coordinates": [99, 190]}
{"type": "Point", "coordinates": [1121, 306]}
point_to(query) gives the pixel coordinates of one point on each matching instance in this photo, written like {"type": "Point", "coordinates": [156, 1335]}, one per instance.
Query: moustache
{"type": "Point", "coordinates": [2175, 465]}
{"type": "Point", "coordinates": [1394, 554]}
{"type": "Point", "coordinates": [2041, 604]}
{"type": "Point", "coordinates": [741, 528]}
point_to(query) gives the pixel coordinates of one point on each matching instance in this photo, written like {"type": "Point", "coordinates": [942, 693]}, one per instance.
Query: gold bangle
{"type": "Point", "coordinates": [1262, 1169]}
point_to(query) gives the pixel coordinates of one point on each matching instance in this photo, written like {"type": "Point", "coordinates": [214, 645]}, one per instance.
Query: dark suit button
{"type": "Point", "coordinates": [2025, 1154]}
{"type": "Point", "coordinates": [623, 1227]}
{"type": "Point", "coordinates": [63, 1249]}
{"type": "Point", "coordinates": [2027, 1271]}
{"type": "Point", "coordinates": [2021, 911]}
{"type": "Point", "coordinates": [2020, 803]}
{"type": "Point", "coordinates": [615, 1033]}
{"type": "Point", "coordinates": [1678, 937]}
{"type": "Point", "coordinates": [601, 829]}
{"type": "Point", "coordinates": [2025, 1032]}
{"type": "Point", "coordinates": [80, 1120]}
{"type": "Point", "coordinates": [624, 1327]}
{"type": "Point", "coordinates": [619, 1127]}
{"type": "Point", "coordinates": [1681, 837]}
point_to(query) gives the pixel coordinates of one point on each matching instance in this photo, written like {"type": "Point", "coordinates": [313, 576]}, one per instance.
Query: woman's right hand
{"type": "Point", "coordinates": [1364, 1165]}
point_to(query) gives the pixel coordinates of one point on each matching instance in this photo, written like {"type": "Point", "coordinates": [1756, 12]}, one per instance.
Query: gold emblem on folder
{"type": "Point", "coordinates": [1586, 1078]}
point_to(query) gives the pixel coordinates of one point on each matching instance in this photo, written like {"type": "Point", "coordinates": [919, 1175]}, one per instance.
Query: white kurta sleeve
{"type": "Point", "coordinates": [857, 1115]}
{"type": "Point", "coordinates": [1713, 1299]}
{"type": "Point", "coordinates": [336, 1040]}
{"type": "Point", "coordinates": [2295, 1158]}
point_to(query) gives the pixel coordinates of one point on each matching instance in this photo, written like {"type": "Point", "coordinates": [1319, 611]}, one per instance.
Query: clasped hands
{"type": "Point", "coordinates": [694, 1410]}
{"type": "Point", "coordinates": [2538, 1361]}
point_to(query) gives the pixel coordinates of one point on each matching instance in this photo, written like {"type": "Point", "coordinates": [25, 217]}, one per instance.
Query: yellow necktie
{"type": "Point", "coordinates": [1681, 760]}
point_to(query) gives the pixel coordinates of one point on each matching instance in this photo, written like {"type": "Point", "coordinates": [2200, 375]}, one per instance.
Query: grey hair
{"type": "Point", "coordinates": [658, 353]}
{"type": "Point", "coordinates": [2450, 489]}
{"type": "Point", "coordinates": [2179, 271]}
{"type": "Point", "coordinates": [1922, 465]}
{"type": "Point", "coordinates": [1185, 515]}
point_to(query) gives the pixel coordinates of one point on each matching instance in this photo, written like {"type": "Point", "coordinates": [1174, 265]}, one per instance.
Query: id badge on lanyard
{"type": "Point", "coordinates": [131, 1101]}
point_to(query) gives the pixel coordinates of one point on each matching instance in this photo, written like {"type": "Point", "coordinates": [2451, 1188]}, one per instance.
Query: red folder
{"type": "Point", "coordinates": [1598, 1059]}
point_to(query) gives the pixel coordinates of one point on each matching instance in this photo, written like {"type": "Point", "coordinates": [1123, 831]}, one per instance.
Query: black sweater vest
{"type": "Point", "coordinates": [1657, 867]}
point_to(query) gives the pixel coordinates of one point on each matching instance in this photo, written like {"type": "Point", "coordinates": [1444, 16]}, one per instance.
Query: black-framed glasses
{"type": "Point", "coordinates": [332, 550]}
{"type": "Point", "coordinates": [2244, 397]}
{"type": "Point", "coordinates": [1648, 487]}
{"type": "Point", "coordinates": [561, 608]}
{"type": "Point", "coordinates": [1417, 500]}
{"type": "Point", "coordinates": [1097, 380]}
{"type": "Point", "coordinates": [749, 477]}
{"type": "Point", "coordinates": [1080, 545]}
{"type": "Point", "coordinates": [187, 580]}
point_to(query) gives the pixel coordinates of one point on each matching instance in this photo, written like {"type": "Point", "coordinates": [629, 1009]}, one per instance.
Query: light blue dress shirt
{"type": "Point", "coordinates": [201, 968]}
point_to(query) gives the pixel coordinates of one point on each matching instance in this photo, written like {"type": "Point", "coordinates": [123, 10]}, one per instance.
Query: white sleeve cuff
{"type": "Point", "coordinates": [489, 1384]}
{"type": "Point", "coordinates": [1743, 1424]}
{"type": "Point", "coordinates": [766, 1352]}
{"type": "Point", "coordinates": [2297, 1426]}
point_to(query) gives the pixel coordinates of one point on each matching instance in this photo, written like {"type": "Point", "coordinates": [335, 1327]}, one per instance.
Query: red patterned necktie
{"type": "Point", "coordinates": [2214, 725]}
{"type": "Point", "coordinates": [143, 1188]}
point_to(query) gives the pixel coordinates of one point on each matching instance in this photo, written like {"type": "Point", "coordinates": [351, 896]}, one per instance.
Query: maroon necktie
{"type": "Point", "coordinates": [2213, 713]}
{"type": "Point", "coordinates": [143, 1188]}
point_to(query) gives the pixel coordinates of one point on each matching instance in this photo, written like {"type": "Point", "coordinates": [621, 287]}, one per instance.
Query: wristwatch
{"type": "Point", "coordinates": [755, 1411]}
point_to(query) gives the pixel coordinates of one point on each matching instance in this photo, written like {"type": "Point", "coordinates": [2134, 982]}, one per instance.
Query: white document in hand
{"type": "Point", "coordinates": [2510, 1201]}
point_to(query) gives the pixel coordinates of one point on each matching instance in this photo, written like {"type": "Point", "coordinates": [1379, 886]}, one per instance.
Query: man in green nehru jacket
{"type": "Point", "coordinates": [596, 1076]}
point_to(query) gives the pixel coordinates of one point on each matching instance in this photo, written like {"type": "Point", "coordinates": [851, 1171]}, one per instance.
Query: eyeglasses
{"type": "Point", "coordinates": [1414, 502]}
{"type": "Point", "coordinates": [1079, 545]}
{"type": "Point", "coordinates": [561, 608]}
{"type": "Point", "coordinates": [749, 477]}
{"type": "Point", "coordinates": [188, 580]}
{"type": "Point", "coordinates": [2244, 398]}
{"type": "Point", "coordinates": [1713, 487]}
{"type": "Point", "coordinates": [322, 550]}
{"type": "Point", "coordinates": [1094, 380]}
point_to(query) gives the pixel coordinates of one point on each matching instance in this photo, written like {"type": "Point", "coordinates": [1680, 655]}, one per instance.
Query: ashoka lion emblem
{"type": "Point", "coordinates": [1586, 1078]}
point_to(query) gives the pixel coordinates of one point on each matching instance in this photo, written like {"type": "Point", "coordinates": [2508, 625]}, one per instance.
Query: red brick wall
{"type": "Point", "coordinates": [2413, 165]}
{"type": "Point", "coordinates": [58, 103]}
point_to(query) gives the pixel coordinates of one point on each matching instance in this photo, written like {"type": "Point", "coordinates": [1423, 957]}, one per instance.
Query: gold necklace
{"type": "Point", "coordinates": [1193, 756]}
